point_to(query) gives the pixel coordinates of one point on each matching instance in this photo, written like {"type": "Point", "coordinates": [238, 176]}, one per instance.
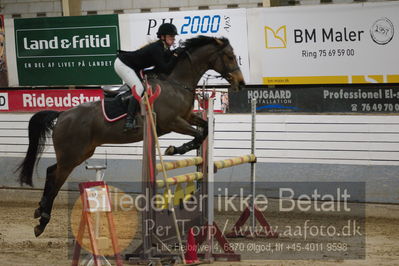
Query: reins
{"type": "Point", "coordinates": [226, 74]}
{"type": "Point", "coordinates": [219, 53]}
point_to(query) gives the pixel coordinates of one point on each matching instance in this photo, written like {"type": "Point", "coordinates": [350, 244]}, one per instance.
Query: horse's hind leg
{"type": "Point", "coordinates": [56, 176]}
{"type": "Point", "coordinates": [50, 177]}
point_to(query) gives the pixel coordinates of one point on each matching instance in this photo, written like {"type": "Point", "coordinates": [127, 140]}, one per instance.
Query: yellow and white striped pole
{"type": "Point", "coordinates": [180, 163]}
{"type": "Point", "coordinates": [250, 158]}
{"type": "Point", "coordinates": [185, 178]}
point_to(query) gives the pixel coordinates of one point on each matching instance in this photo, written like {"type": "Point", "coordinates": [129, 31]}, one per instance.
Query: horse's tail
{"type": "Point", "coordinates": [40, 126]}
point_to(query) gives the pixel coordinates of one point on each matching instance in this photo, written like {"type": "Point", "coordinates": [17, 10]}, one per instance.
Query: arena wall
{"type": "Point", "coordinates": [290, 148]}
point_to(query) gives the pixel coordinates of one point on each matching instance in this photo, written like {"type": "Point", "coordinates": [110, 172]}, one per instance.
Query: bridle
{"type": "Point", "coordinates": [226, 74]}
{"type": "Point", "coordinates": [227, 71]}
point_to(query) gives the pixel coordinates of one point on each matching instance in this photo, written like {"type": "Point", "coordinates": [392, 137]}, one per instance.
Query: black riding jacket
{"type": "Point", "coordinates": [154, 54]}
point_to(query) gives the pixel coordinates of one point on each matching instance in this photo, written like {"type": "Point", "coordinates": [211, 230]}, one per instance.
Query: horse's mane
{"type": "Point", "coordinates": [202, 40]}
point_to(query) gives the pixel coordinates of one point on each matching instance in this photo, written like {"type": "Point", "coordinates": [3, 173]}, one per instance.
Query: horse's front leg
{"type": "Point", "coordinates": [184, 127]}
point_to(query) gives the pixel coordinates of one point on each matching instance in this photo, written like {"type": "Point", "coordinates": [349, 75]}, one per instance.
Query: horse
{"type": "Point", "coordinates": [77, 132]}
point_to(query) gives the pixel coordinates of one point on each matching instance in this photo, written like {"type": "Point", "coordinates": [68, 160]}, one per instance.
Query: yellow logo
{"type": "Point", "coordinates": [276, 39]}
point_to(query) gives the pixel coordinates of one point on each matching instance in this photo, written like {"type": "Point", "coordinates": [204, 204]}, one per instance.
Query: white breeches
{"type": "Point", "coordinates": [128, 75]}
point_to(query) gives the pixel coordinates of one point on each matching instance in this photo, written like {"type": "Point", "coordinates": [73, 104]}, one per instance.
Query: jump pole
{"type": "Point", "coordinates": [165, 176]}
{"type": "Point", "coordinates": [211, 233]}
{"type": "Point", "coordinates": [210, 230]}
{"type": "Point", "coordinates": [210, 180]}
{"type": "Point", "coordinates": [253, 164]}
{"type": "Point", "coordinates": [145, 253]}
{"type": "Point", "coordinates": [252, 211]}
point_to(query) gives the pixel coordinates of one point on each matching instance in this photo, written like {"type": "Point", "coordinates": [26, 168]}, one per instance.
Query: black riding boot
{"type": "Point", "coordinates": [131, 112]}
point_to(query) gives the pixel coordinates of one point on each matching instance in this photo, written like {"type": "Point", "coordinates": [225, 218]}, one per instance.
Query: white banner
{"type": "Point", "coordinates": [327, 44]}
{"type": "Point", "coordinates": [137, 30]}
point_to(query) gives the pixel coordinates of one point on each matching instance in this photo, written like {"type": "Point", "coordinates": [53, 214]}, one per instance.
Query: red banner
{"type": "Point", "coordinates": [37, 100]}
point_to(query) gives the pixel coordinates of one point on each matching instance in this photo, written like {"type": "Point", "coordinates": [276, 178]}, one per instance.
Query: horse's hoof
{"type": "Point", "coordinates": [170, 150]}
{"type": "Point", "coordinates": [38, 230]}
{"type": "Point", "coordinates": [37, 213]}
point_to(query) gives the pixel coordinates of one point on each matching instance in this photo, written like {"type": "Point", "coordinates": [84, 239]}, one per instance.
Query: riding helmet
{"type": "Point", "coordinates": [167, 29]}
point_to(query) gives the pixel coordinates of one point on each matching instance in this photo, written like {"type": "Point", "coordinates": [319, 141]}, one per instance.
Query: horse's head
{"type": "Point", "coordinates": [202, 53]}
{"type": "Point", "coordinates": [224, 61]}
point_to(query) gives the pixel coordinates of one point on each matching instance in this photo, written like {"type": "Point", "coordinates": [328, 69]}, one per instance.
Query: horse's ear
{"type": "Point", "coordinates": [219, 42]}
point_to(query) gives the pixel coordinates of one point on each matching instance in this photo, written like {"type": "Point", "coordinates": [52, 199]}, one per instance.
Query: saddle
{"type": "Point", "coordinates": [115, 102]}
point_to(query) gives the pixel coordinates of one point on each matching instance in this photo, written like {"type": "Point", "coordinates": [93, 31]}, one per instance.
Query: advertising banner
{"type": "Point", "coordinates": [37, 100]}
{"type": "Point", "coordinates": [138, 30]}
{"type": "Point", "coordinates": [67, 50]}
{"type": "Point", "coordinates": [330, 44]}
{"type": "Point", "coordinates": [328, 99]}
{"type": "Point", "coordinates": [3, 63]}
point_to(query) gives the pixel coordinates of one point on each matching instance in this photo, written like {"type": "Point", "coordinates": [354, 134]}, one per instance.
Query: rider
{"type": "Point", "coordinates": [128, 64]}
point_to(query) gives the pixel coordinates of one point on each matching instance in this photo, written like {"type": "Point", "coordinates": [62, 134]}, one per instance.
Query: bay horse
{"type": "Point", "coordinates": [78, 131]}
